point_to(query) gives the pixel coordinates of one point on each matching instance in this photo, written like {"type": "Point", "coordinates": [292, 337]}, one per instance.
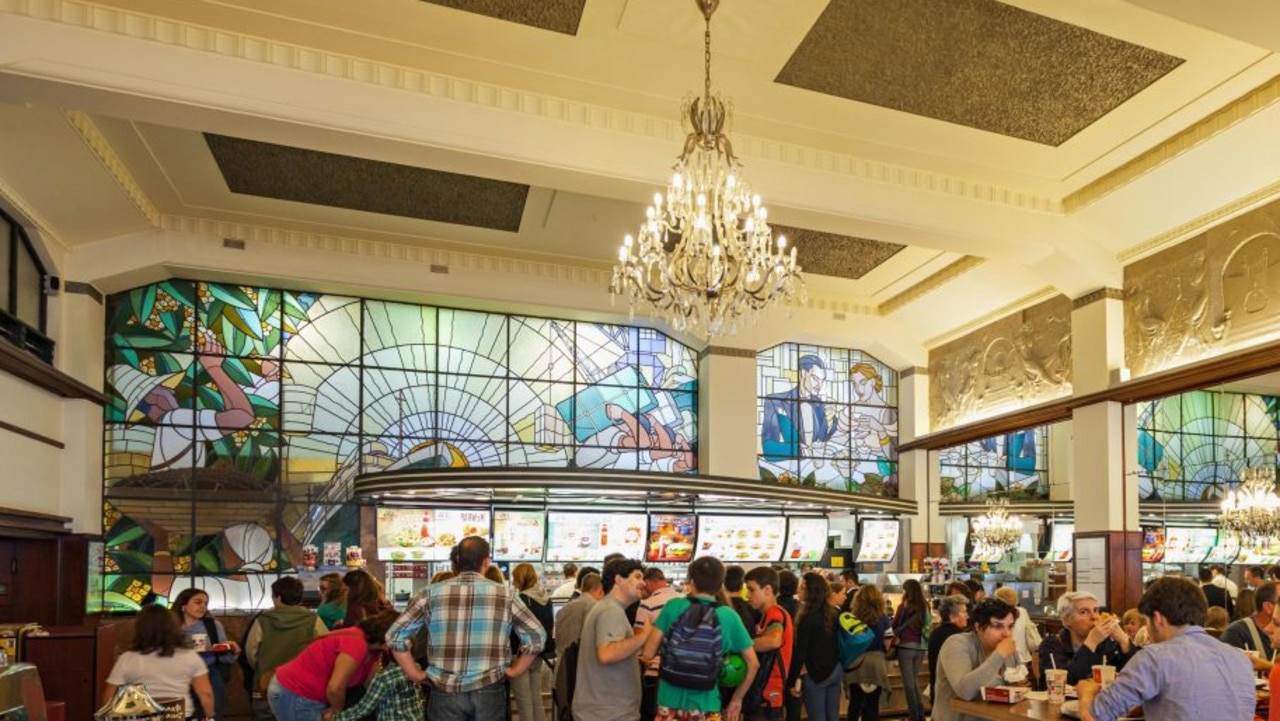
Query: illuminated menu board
{"type": "Point", "coordinates": [806, 539]}
{"type": "Point", "coordinates": [592, 536]}
{"type": "Point", "coordinates": [424, 534]}
{"type": "Point", "coordinates": [671, 537]}
{"type": "Point", "coordinates": [1188, 545]}
{"type": "Point", "coordinates": [519, 535]}
{"type": "Point", "coordinates": [1266, 554]}
{"type": "Point", "coordinates": [741, 538]}
{"type": "Point", "coordinates": [1153, 544]}
{"type": "Point", "coordinates": [1060, 544]}
{"type": "Point", "coordinates": [1226, 551]}
{"type": "Point", "coordinates": [879, 542]}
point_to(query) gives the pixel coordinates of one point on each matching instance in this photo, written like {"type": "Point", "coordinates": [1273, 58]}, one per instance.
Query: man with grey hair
{"type": "Point", "coordinates": [1086, 639]}
{"type": "Point", "coordinates": [953, 610]}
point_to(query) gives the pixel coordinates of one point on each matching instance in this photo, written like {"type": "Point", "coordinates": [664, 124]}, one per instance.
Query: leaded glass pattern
{"type": "Point", "coordinates": [827, 417]}
{"type": "Point", "coordinates": [1195, 446]}
{"type": "Point", "coordinates": [250, 411]}
{"type": "Point", "coordinates": [1013, 466]}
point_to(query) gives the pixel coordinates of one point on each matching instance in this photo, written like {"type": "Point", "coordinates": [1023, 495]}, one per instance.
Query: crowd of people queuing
{"type": "Point", "coordinates": [759, 645]}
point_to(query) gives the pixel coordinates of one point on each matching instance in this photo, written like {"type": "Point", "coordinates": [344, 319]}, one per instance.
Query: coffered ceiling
{"type": "Point", "coordinates": [938, 162]}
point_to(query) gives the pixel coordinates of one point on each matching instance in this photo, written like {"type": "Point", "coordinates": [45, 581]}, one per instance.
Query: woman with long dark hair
{"type": "Point", "coordinates": [209, 639]}
{"type": "Point", "coordinates": [911, 626]}
{"type": "Point", "coordinates": [159, 659]}
{"type": "Point", "coordinates": [364, 597]}
{"type": "Point", "coordinates": [815, 660]}
{"type": "Point", "coordinates": [868, 680]}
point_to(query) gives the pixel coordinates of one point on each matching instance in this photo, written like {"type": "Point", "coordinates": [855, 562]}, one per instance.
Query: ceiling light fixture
{"type": "Point", "coordinates": [997, 528]}
{"type": "Point", "coordinates": [1252, 509]}
{"type": "Point", "coordinates": [706, 256]}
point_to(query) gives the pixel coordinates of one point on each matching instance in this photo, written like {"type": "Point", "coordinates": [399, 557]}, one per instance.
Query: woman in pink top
{"type": "Point", "coordinates": [319, 677]}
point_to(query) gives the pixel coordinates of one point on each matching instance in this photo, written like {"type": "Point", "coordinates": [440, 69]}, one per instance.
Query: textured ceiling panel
{"type": "Point", "coordinates": [978, 63]}
{"type": "Point", "coordinates": [562, 16]}
{"type": "Point", "coordinates": [841, 256]}
{"type": "Point", "coordinates": [341, 181]}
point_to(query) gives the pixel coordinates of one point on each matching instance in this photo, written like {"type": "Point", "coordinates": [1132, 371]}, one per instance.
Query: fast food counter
{"type": "Point", "coordinates": [549, 518]}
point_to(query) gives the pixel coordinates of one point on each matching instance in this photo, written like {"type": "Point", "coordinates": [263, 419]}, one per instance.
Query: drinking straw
{"type": "Point", "coordinates": [1053, 662]}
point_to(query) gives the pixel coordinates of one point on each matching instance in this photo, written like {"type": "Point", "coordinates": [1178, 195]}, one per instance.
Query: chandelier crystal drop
{"type": "Point", "coordinates": [997, 528]}
{"type": "Point", "coordinates": [1252, 510]}
{"type": "Point", "coordinates": [705, 256]}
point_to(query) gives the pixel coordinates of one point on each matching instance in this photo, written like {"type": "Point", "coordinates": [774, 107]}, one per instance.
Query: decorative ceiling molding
{"type": "Point", "coordinates": [1020, 304]}
{"type": "Point", "coordinates": [930, 284]}
{"type": "Point", "coordinates": [1216, 123]}
{"type": "Point", "coordinates": [1094, 296]}
{"type": "Point", "coordinates": [31, 218]}
{"type": "Point", "coordinates": [1173, 236]}
{"type": "Point", "coordinates": [721, 350]}
{"type": "Point", "coordinates": [111, 162]}
{"type": "Point", "coordinates": [223, 43]}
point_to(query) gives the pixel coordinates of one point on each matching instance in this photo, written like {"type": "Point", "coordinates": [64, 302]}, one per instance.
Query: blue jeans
{"type": "Point", "coordinates": [486, 704]}
{"type": "Point", "coordinates": [822, 698]}
{"type": "Point", "coordinates": [219, 694]}
{"type": "Point", "coordinates": [909, 663]}
{"type": "Point", "coordinates": [289, 706]}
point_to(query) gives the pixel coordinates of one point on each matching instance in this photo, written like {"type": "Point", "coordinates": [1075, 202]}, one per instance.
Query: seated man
{"type": "Point", "coordinates": [1085, 639]}
{"type": "Point", "coordinates": [1184, 674]}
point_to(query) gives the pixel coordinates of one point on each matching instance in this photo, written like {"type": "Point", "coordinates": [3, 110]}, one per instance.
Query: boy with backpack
{"type": "Point", "coordinates": [695, 633]}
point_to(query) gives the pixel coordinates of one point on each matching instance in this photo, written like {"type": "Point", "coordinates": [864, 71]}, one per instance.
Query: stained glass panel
{"type": "Point", "coordinates": [238, 321]}
{"type": "Point", "coordinates": [1014, 466]}
{"type": "Point", "coordinates": [827, 417]}
{"type": "Point", "coordinates": [319, 397]}
{"type": "Point", "coordinates": [398, 335]}
{"type": "Point", "coordinates": [472, 342]}
{"type": "Point", "coordinates": [542, 349]}
{"type": "Point", "coordinates": [321, 328]}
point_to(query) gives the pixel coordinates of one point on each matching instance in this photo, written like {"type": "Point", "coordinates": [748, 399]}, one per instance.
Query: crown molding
{"type": "Point", "coordinates": [928, 285]}
{"type": "Point", "coordinates": [30, 216]}
{"type": "Point", "coordinates": [113, 164]}
{"type": "Point", "coordinates": [1097, 295]}
{"type": "Point", "coordinates": [1214, 124]}
{"type": "Point", "coordinates": [215, 41]}
{"type": "Point", "coordinates": [1173, 236]}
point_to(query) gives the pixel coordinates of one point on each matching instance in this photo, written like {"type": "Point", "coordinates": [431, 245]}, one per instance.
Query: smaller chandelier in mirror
{"type": "Point", "coordinates": [996, 528]}
{"type": "Point", "coordinates": [1252, 510]}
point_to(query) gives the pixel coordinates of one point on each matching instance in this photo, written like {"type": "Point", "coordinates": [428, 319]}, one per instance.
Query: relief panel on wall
{"type": "Point", "coordinates": [1203, 296]}
{"type": "Point", "coordinates": [1016, 361]}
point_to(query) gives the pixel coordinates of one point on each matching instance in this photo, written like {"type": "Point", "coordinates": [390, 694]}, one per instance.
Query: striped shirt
{"type": "Point", "coordinates": [469, 620]}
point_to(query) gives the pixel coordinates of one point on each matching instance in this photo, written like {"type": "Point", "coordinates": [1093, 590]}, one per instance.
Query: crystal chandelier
{"type": "Point", "coordinates": [1252, 510]}
{"type": "Point", "coordinates": [997, 528]}
{"type": "Point", "coordinates": [705, 255]}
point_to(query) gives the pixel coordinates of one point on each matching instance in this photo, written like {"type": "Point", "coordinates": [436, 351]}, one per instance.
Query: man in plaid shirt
{"type": "Point", "coordinates": [391, 697]}
{"type": "Point", "coordinates": [469, 620]}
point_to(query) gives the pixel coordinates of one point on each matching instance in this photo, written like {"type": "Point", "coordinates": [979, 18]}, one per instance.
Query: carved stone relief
{"type": "Point", "coordinates": [1019, 360]}
{"type": "Point", "coordinates": [1205, 295]}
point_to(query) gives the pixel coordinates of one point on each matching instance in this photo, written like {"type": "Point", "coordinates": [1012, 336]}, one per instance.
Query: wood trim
{"type": "Point", "coordinates": [32, 435]}
{"type": "Point", "coordinates": [1208, 372]}
{"type": "Point", "coordinates": [27, 367]}
{"type": "Point", "coordinates": [13, 519]}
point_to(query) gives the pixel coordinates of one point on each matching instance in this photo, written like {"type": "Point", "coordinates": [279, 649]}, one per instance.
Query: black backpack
{"type": "Point", "coordinates": [692, 649]}
{"type": "Point", "coordinates": [545, 616]}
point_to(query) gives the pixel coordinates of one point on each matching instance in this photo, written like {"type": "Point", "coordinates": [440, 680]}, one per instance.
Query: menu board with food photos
{"type": "Point", "coordinates": [1226, 550]}
{"type": "Point", "coordinates": [879, 542]}
{"type": "Point", "coordinates": [734, 539]}
{"type": "Point", "coordinates": [1153, 544]}
{"type": "Point", "coordinates": [1187, 545]}
{"type": "Point", "coordinates": [1265, 554]}
{"type": "Point", "coordinates": [519, 535]}
{"type": "Point", "coordinates": [425, 534]}
{"type": "Point", "coordinates": [806, 539]}
{"type": "Point", "coordinates": [592, 536]}
{"type": "Point", "coordinates": [671, 537]}
{"type": "Point", "coordinates": [1060, 545]}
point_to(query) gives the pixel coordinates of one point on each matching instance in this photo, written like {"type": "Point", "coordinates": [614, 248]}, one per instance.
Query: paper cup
{"type": "Point", "coordinates": [1104, 676]}
{"type": "Point", "coordinates": [200, 641]}
{"type": "Point", "coordinates": [1056, 680]}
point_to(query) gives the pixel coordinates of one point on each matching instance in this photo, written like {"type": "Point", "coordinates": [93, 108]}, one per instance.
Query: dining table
{"type": "Point", "coordinates": [1021, 711]}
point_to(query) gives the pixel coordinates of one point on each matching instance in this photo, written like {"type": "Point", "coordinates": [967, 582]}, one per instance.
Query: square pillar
{"type": "Point", "coordinates": [727, 392]}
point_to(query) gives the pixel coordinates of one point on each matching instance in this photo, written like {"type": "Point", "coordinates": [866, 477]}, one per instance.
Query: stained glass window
{"type": "Point", "coordinates": [1013, 466]}
{"type": "Point", "coordinates": [248, 412]}
{"type": "Point", "coordinates": [1195, 446]}
{"type": "Point", "coordinates": [828, 417]}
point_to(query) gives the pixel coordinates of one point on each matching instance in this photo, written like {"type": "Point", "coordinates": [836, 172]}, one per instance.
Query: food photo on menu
{"type": "Point", "coordinates": [592, 536]}
{"type": "Point", "coordinates": [806, 539]}
{"type": "Point", "coordinates": [414, 534]}
{"type": "Point", "coordinates": [518, 535]}
{"type": "Point", "coordinates": [741, 538]}
{"type": "Point", "coordinates": [671, 538]}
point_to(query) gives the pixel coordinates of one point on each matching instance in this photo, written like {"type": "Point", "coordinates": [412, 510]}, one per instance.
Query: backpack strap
{"type": "Point", "coordinates": [1253, 631]}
